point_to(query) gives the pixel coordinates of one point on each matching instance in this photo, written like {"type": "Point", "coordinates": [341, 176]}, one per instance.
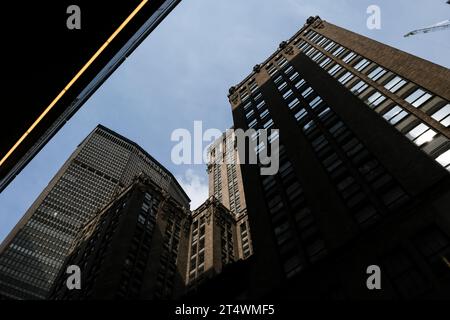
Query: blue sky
{"type": "Point", "coordinates": [183, 70]}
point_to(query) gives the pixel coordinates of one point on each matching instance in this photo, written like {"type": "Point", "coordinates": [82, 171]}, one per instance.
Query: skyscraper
{"type": "Point", "coordinates": [103, 165]}
{"type": "Point", "coordinates": [135, 248]}
{"type": "Point", "coordinates": [212, 242]}
{"type": "Point", "coordinates": [363, 178]}
{"type": "Point", "coordinates": [225, 184]}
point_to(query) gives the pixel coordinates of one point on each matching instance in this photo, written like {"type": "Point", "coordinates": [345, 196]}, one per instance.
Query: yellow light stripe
{"type": "Point", "coordinates": [74, 79]}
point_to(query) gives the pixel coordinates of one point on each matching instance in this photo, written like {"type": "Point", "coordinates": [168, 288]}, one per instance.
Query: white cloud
{"type": "Point", "coordinates": [195, 186]}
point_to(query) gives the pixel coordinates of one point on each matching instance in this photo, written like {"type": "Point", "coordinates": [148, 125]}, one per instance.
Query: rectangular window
{"type": "Point", "coordinates": [359, 87]}
{"type": "Point", "coordinates": [299, 84]}
{"type": "Point", "coordinates": [260, 105]}
{"type": "Point", "coordinates": [325, 63]}
{"type": "Point", "coordinates": [421, 134]}
{"type": "Point", "coordinates": [289, 70]}
{"type": "Point", "coordinates": [362, 64]}
{"type": "Point", "coordinates": [307, 92]}
{"type": "Point", "coordinates": [377, 73]}
{"type": "Point", "coordinates": [301, 114]}
{"type": "Point", "coordinates": [338, 51]}
{"type": "Point", "coordinates": [335, 69]}
{"type": "Point", "coordinates": [318, 56]}
{"type": "Point", "coordinates": [395, 115]}
{"type": "Point", "coordinates": [264, 114]}
{"type": "Point", "coordinates": [278, 80]}
{"type": "Point", "coordinates": [443, 115]}
{"type": "Point", "coordinates": [330, 46]}
{"type": "Point", "coordinates": [395, 84]}
{"type": "Point", "coordinates": [349, 57]}
{"type": "Point", "coordinates": [318, 100]}
{"type": "Point", "coordinates": [294, 76]}
{"type": "Point", "coordinates": [288, 94]}
{"type": "Point", "coordinates": [282, 86]}
{"type": "Point", "coordinates": [375, 99]}
{"type": "Point", "coordinates": [346, 77]}
{"type": "Point", "coordinates": [444, 159]}
{"type": "Point", "coordinates": [294, 103]}
{"type": "Point", "coordinates": [253, 123]}
{"type": "Point", "coordinates": [418, 98]}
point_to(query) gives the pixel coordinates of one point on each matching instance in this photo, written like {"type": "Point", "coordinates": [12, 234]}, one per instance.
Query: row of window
{"type": "Point", "coordinates": [433, 143]}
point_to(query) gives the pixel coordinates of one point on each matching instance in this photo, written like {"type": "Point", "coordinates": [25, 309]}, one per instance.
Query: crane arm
{"type": "Point", "coordinates": [437, 27]}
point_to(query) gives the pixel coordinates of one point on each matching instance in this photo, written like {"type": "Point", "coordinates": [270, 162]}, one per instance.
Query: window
{"type": "Point", "coordinates": [282, 86]}
{"type": "Point", "coordinates": [264, 114]}
{"type": "Point", "coordinates": [330, 46]}
{"type": "Point", "coordinates": [322, 41]}
{"type": "Point", "coordinates": [443, 115]}
{"type": "Point", "coordinates": [253, 123]}
{"type": "Point", "coordinates": [339, 51]}
{"type": "Point", "coordinates": [247, 106]}
{"type": "Point", "coordinates": [273, 71]}
{"type": "Point", "coordinates": [258, 96]}
{"type": "Point", "coordinates": [375, 99]}
{"type": "Point", "coordinates": [359, 87]}
{"type": "Point", "coordinates": [300, 115]}
{"type": "Point", "coordinates": [268, 124]}
{"type": "Point", "coordinates": [294, 103]}
{"type": "Point", "coordinates": [289, 70]}
{"type": "Point", "coordinates": [395, 115]}
{"type": "Point", "coordinates": [250, 114]}
{"type": "Point", "coordinates": [318, 100]}
{"type": "Point", "coordinates": [421, 134]}
{"type": "Point", "coordinates": [418, 98]}
{"type": "Point", "coordinates": [307, 92]}
{"type": "Point", "coordinates": [299, 84]}
{"type": "Point", "coordinates": [282, 62]}
{"type": "Point", "coordinates": [377, 73]}
{"type": "Point", "coordinates": [310, 52]}
{"type": "Point", "coordinates": [261, 104]}
{"type": "Point", "coordinates": [335, 69]}
{"type": "Point", "coordinates": [325, 63]}
{"type": "Point", "coordinates": [278, 79]}
{"type": "Point", "coordinates": [294, 76]}
{"type": "Point", "coordinates": [245, 96]}
{"type": "Point", "coordinates": [318, 56]}
{"type": "Point", "coordinates": [444, 159]}
{"type": "Point", "coordinates": [346, 77]}
{"type": "Point", "coordinates": [362, 64]}
{"type": "Point", "coordinates": [395, 84]}
{"type": "Point", "coordinates": [288, 94]}
{"type": "Point", "coordinates": [349, 57]}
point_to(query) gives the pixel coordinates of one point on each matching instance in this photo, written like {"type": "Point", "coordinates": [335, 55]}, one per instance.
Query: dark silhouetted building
{"type": "Point", "coordinates": [101, 167]}
{"type": "Point", "coordinates": [135, 248]}
{"type": "Point", "coordinates": [212, 242]}
{"type": "Point", "coordinates": [363, 178]}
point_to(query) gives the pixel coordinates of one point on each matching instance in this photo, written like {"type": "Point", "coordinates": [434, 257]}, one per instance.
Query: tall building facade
{"type": "Point", "coordinates": [363, 178]}
{"type": "Point", "coordinates": [225, 184]}
{"type": "Point", "coordinates": [101, 167]}
{"type": "Point", "coordinates": [135, 248]}
{"type": "Point", "coordinates": [212, 242]}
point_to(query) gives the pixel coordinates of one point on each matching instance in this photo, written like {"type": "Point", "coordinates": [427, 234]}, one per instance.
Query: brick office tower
{"type": "Point", "coordinates": [101, 167]}
{"type": "Point", "coordinates": [135, 248]}
{"type": "Point", "coordinates": [225, 184]}
{"type": "Point", "coordinates": [364, 160]}
{"type": "Point", "coordinates": [212, 242]}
